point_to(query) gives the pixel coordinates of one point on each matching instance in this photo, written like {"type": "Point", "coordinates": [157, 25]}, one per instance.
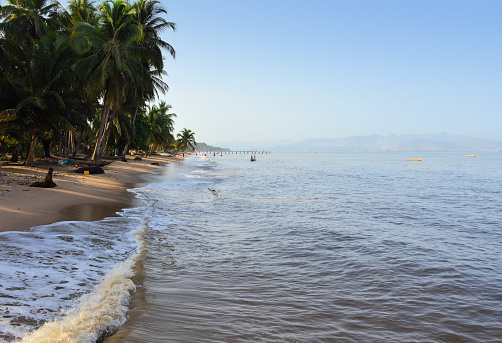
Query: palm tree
{"type": "Point", "coordinates": [27, 18]}
{"type": "Point", "coordinates": [149, 70]}
{"type": "Point", "coordinates": [186, 140]}
{"type": "Point", "coordinates": [116, 49]}
{"type": "Point", "coordinates": [148, 84]}
{"type": "Point", "coordinates": [82, 11]}
{"type": "Point", "coordinates": [107, 58]}
{"type": "Point", "coordinates": [161, 125]}
{"type": "Point", "coordinates": [147, 14]}
{"type": "Point", "coordinates": [37, 80]}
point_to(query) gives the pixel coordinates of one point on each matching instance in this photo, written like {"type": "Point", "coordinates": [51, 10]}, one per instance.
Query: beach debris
{"type": "Point", "coordinates": [154, 163]}
{"type": "Point", "coordinates": [66, 162]}
{"type": "Point", "coordinates": [90, 170]}
{"type": "Point", "coordinates": [47, 183]}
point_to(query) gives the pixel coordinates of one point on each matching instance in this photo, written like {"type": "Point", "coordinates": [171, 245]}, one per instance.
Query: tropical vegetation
{"type": "Point", "coordinates": [82, 79]}
{"type": "Point", "coordinates": [185, 141]}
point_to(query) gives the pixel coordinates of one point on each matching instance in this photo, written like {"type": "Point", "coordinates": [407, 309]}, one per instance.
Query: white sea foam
{"type": "Point", "coordinates": [43, 272]}
{"type": "Point", "coordinates": [98, 313]}
{"type": "Point", "coordinates": [71, 281]}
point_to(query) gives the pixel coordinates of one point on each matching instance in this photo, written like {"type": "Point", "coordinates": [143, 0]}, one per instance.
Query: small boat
{"type": "Point", "coordinates": [414, 159]}
{"type": "Point", "coordinates": [253, 158]}
{"type": "Point", "coordinates": [470, 155]}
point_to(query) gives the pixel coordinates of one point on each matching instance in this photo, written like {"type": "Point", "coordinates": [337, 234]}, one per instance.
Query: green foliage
{"type": "Point", "coordinates": [141, 139]}
{"type": "Point", "coordinates": [88, 67]}
{"type": "Point", "coordinates": [186, 140]}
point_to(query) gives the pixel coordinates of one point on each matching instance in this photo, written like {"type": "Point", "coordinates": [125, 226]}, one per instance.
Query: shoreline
{"type": "Point", "coordinates": [76, 197]}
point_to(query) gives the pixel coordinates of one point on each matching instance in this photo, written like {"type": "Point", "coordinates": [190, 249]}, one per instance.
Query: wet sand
{"type": "Point", "coordinates": [76, 197]}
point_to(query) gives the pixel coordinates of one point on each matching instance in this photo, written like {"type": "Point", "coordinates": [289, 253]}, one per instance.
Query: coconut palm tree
{"type": "Point", "coordinates": [37, 81]}
{"type": "Point", "coordinates": [161, 125]}
{"type": "Point", "coordinates": [147, 85]}
{"type": "Point", "coordinates": [186, 140]}
{"type": "Point", "coordinates": [107, 58]}
{"type": "Point", "coordinates": [27, 18]}
{"type": "Point", "coordinates": [148, 15]}
{"type": "Point", "coordinates": [117, 54]}
{"type": "Point", "coordinates": [148, 82]}
{"type": "Point", "coordinates": [82, 11]}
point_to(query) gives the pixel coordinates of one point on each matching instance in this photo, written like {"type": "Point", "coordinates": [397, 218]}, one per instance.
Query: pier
{"type": "Point", "coordinates": [230, 152]}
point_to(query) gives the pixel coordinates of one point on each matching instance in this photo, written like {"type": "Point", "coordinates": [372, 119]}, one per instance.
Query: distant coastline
{"type": "Point", "coordinates": [430, 142]}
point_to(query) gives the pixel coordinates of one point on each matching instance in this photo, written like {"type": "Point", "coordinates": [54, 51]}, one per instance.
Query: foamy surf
{"type": "Point", "coordinates": [97, 314]}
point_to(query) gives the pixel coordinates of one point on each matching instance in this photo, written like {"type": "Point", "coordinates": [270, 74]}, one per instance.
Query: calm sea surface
{"type": "Point", "coordinates": [295, 247]}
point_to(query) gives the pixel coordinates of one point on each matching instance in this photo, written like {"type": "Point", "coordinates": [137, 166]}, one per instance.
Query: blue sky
{"type": "Point", "coordinates": [254, 70]}
{"type": "Point", "coordinates": [283, 69]}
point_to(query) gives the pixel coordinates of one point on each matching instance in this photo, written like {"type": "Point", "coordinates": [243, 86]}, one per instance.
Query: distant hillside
{"type": "Point", "coordinates": [255, 145]}
{"type": "Point", "coordinates": [430, 142]}
{"type": "Point", "coordinates": [206, 147]}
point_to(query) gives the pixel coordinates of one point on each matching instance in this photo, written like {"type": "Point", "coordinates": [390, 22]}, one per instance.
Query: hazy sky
{"type": "Point", "coordinates": [285, 69]}
{"type": "Point", "coordinates": [255, 70]}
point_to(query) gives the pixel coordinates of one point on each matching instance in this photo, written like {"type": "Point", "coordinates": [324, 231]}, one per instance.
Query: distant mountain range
{"type": "Point", "coordinates": [429, 142]}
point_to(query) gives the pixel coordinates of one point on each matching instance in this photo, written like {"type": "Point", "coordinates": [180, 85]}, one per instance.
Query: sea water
{"type": "Point", "coordinates": [294, 247]}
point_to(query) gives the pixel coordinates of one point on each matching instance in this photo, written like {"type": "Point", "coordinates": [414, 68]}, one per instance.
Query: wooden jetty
{"type": "Point", "coordinates": [231, 152]}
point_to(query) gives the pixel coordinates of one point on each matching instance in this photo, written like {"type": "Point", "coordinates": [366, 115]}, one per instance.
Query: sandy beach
{"type": "Point", "coordinates": [76, 197]}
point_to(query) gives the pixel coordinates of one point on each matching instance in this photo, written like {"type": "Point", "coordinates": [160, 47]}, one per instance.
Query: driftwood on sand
{"type": "Point", "coordinates": [47, 183]}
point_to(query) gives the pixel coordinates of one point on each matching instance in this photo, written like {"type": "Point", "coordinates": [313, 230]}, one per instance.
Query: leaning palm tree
{"type": "Point", "coordinates": [147, 85]}
{"type": "Point", "coordinates": [107, 59]}
{"type": "Point", "coordinates": [186, 140]}
{"type": "Point", "coordinates": [149, 69]}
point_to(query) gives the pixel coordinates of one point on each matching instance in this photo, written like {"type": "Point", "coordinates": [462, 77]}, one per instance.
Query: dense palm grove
{"type": "Point", "coordinates": [78, 79]}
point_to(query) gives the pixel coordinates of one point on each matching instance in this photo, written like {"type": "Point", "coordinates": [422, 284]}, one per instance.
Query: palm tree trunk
{"type": "Point", "coordinates": [107, 132]}
{"type": "Point", "coordinates": [68, 143]}
{"type": "Point", "coordinates": [124, 153]}
{"type": "Point", "coordinates": [15, 155]}
{"type": "Point", "coordinates": [65, 143]}
{"type": "Point", "coordinates": [104, 119]}
{"type": "Point", "coordinates": [60, 146]}
{"type": "Point", "coordinates": [129, 138]}
{"type": "Point", "coordinates": [31, 154]}
{"type": "Point", "coordinates": [76, 147]}
{"type": "Point", "coordinates": [47, 149]}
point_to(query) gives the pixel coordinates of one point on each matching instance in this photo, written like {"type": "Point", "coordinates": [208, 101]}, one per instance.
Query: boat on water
{"type": "Point", "coordinates": [253, 158]}
{"type": "Point", "coordinates": [414, 159]}
{"type": "Point", "coordinates": [470, 155]}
